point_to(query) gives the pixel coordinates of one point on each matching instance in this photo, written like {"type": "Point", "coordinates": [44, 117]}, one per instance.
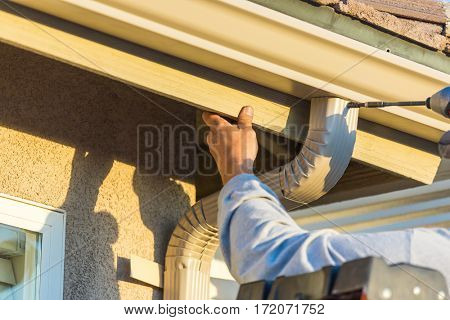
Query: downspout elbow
{"type": "Point", "coordinates": [317, 168]}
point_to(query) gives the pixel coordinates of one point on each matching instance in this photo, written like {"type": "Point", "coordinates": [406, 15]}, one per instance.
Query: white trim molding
{"type": "Point", "coordinates": [50, 224]}
{"type": "Point", "coordinates": [427, 206]}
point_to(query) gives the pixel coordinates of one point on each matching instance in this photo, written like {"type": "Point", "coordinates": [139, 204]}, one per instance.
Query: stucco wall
{"type": "Point", "coordinates": [68, 139]}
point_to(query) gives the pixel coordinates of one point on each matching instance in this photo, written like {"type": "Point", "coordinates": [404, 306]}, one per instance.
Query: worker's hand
{"type": "Point", "coordinates": [233, 147]}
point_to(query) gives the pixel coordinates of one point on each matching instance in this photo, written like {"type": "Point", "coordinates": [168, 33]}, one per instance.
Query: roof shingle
{"type": "Point", "coordinates": [423, 21]}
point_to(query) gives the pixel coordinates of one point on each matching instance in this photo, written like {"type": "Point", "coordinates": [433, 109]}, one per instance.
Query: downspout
{"type": "Point", "coordinates": [317, 168]}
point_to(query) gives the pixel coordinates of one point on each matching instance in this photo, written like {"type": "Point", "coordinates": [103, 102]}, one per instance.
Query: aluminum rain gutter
{"type": "Point", "coordinates": [319, 165]}
{"type": "Point", "coordinates": [272, 49]}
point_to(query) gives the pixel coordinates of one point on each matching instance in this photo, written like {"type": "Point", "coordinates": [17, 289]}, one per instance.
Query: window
{"type": "Point", "coordinates": [31, 250]}
{"type": "Point", "coordinates": [19, 263]}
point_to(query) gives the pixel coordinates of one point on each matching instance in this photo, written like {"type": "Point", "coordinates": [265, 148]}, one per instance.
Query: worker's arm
{"type": "Point", "coordinates": [259, 240]}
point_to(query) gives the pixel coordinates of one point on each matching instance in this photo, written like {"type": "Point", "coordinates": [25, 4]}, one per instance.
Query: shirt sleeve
{"type": "Point", "coordinates": [259, 240]}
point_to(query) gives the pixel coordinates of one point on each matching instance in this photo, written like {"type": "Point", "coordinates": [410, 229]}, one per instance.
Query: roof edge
{"type": "Point", "coordinates": [272, 49]}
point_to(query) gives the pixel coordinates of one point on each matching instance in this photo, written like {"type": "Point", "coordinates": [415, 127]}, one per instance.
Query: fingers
{"type": "Point", "coordinates": [211, 141]}
{"type": "Point", "coordinates": [213, 120]}
{"type": "Point", "coordinates": [209, 138]}
{"type": "Point", "coordinates": [245, 117]}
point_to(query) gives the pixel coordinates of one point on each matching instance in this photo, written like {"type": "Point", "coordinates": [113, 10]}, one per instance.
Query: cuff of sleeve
{"type": "Point", "coordinates": [241, 188]}
{"type": "Point", "coordinates": [235, 182]}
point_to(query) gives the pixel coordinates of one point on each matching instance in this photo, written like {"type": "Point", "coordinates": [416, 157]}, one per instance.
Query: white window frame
{"type": "Point", "coordinates": [50, 223]}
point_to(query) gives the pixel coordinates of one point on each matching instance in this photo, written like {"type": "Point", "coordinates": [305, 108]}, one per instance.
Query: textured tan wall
{"type": "Point", "coordinates": [68, 139]}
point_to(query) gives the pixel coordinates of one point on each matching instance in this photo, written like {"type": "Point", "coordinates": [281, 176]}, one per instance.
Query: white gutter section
{"type": "Point", "coordinates": [275, 50]}
{"type": "Point", "coordinates": [426, 206]}
{"type": "Point", "coordinates": [319, 165]}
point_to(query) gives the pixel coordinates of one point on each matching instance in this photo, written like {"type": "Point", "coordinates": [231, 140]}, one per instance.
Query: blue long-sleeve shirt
{"type": "Point", "coordinates": [259, 240]}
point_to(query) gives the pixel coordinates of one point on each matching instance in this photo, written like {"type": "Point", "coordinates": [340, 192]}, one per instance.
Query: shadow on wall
{"type": "Point", "coordinates": [99, 118]}
{"type": "Point", "coordinates": [92, 254]}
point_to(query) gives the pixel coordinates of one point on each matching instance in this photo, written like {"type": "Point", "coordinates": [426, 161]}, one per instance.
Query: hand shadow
{"type": "Point", "coordinates": [89, 261]}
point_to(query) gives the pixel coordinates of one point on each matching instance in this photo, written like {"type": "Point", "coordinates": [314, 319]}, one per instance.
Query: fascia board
{"type": "Point", "coordinates": [272, 49]}
{"type": "Point", "coordinates": [198, 86]}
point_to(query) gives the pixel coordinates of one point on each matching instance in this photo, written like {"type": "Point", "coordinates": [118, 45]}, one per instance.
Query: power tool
{"type": "Point", "coordinates": [438, 102]}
